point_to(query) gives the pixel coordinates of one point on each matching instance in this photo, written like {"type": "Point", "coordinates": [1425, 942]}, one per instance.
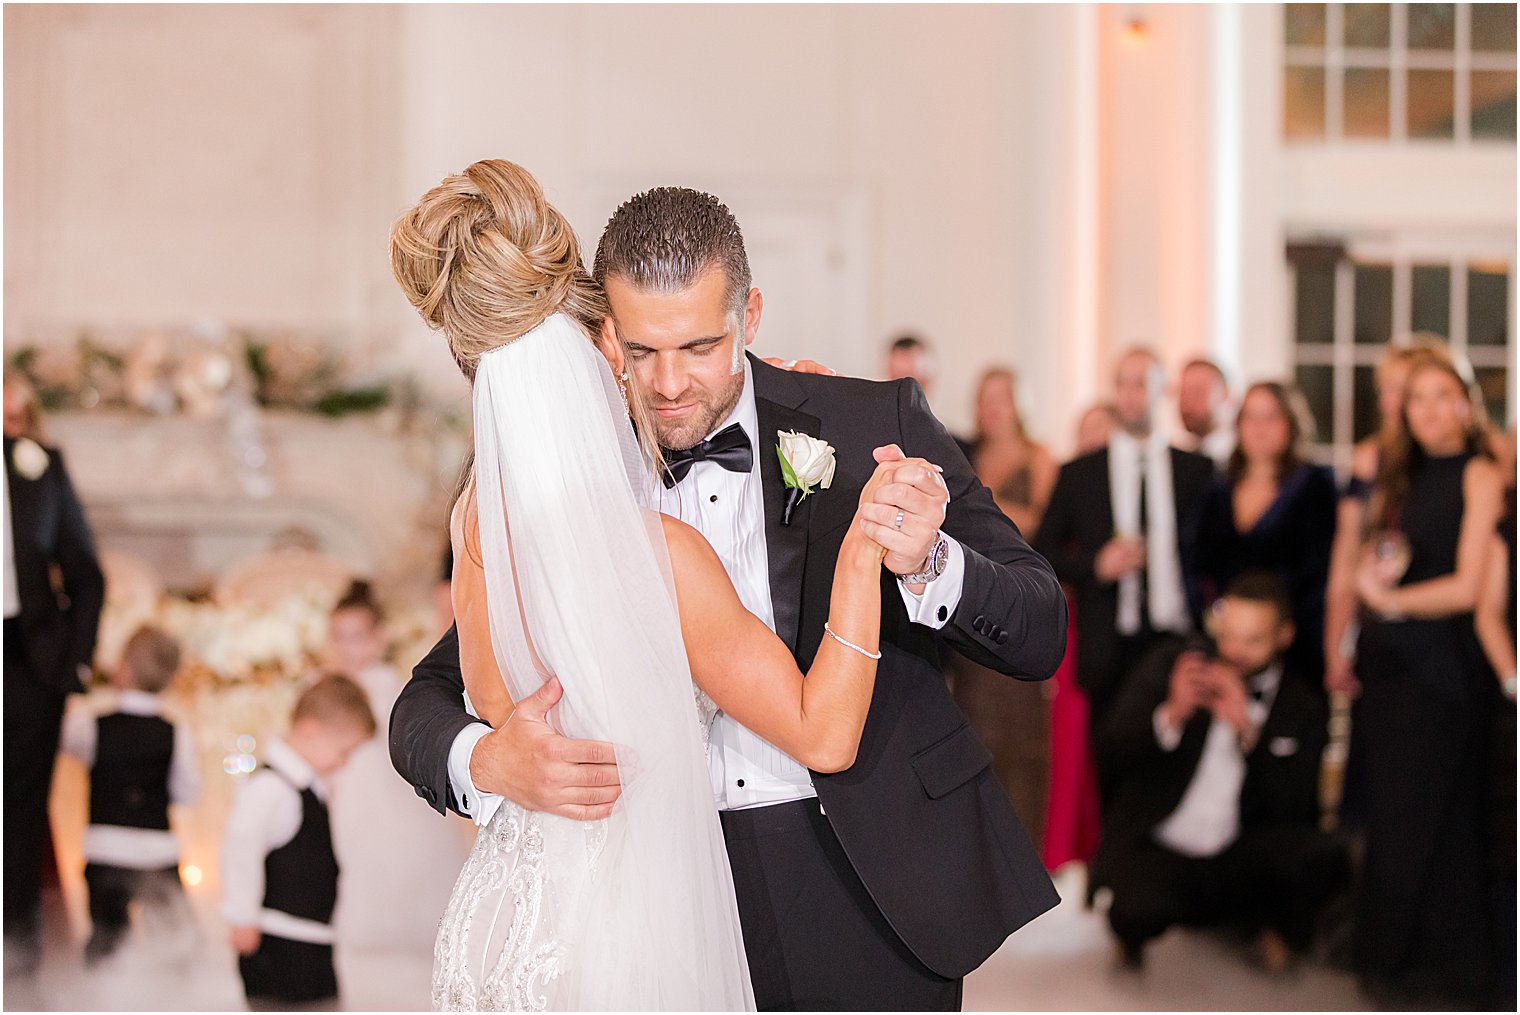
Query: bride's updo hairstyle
{"type": "Point", "coordinates": [485, 259]}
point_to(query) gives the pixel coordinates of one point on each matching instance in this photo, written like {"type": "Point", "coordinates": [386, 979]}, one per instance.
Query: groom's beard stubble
{"type": "Point", "coordinates": [710, 407]}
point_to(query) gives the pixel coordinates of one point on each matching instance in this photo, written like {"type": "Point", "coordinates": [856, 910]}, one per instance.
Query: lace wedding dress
{"type": "Point", "coordinates": [637, 911]}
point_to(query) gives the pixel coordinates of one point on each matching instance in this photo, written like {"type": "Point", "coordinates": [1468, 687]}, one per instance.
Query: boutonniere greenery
{"type": "Point", "coordinates": [30, 460]}
{"type": "Point", "coordinates": [807, 464]}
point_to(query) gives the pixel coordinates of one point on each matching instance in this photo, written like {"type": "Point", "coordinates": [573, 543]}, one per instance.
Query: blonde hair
{"type": "Point", "coordinates": [336, 701]}
{"type": "Point", "coordinates": [485, 259]}
{"type": "Point", "coordinates": [152, 657]}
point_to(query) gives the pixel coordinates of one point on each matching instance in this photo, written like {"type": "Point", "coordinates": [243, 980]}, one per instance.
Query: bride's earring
{"type": "Point", "coordinates": [623, 390]}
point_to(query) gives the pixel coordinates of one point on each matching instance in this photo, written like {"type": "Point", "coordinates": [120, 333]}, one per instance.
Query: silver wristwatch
{"type": "Point", "coordinates": [935, 567]}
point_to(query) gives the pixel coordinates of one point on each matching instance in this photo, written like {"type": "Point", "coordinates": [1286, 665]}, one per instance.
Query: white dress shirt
{"type": "Point", "coordinates": [1129, 459]}
{"type": "Point", "coordinates": [12, 593]}
{"type": "Point", "coordinates": [116, 845]}
{"type": "Point", "coordinates": [729, 509]}
{"type": "Point", "coordinates": [1207, 818]}
{"type": "Point", "coordinates": [265, 815]}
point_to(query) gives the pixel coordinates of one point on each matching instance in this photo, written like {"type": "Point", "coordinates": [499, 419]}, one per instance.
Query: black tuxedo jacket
{"type": "Point", "coordinates": [48, 527]}
{"type": "Point", "coordinates": [1077, 523]}
{"type": "Point", "coordinates": [920, 814]}
{"type": "Point", "coordinates": [1282, 771]}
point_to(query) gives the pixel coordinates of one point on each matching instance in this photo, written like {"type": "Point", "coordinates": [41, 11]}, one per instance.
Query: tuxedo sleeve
{"type": "Point", "coordinates": [83, 581]}
{"type": "Point", "coordinates": [1012, 615]}
{"type": "Point", "coordinates": [1057, 539]}
{"type": "Point", "coordinates": [427, 717]}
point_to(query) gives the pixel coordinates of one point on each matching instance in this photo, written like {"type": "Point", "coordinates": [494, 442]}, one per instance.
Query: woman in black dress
{"type": "Point", "coordinates": [1423, 716]}
{"type": "Point", "coordinates": [1271, 510]}
{"type": "Point", "coordinates": [1012, 717]}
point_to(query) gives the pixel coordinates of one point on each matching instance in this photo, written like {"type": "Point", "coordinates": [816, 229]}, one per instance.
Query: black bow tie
{"type": "Point", "coordinates": [729, 447]}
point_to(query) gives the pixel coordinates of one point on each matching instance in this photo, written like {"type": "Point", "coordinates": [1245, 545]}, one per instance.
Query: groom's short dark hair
{"type": "Point", "coordinates": [664, 239]}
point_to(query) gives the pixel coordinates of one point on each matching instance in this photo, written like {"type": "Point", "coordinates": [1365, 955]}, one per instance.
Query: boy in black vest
{"type": "Point", "coordinates": [279, 873]}
{"type": "Point", "coordinates": [140, 762]}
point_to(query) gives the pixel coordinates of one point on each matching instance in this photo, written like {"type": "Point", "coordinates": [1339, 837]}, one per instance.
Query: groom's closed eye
{"type": "Point", "coordinates": [699, 347]}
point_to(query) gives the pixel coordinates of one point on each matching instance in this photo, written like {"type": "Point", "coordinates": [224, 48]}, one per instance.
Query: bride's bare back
{"type": "Point", "coordinates": [749, 673]}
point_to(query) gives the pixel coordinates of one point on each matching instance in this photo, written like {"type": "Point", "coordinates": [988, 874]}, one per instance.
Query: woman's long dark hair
{"type": "Point", "coordinates": [1291, 403]}
{"type": "Point", "coordinates": [1404, 453]}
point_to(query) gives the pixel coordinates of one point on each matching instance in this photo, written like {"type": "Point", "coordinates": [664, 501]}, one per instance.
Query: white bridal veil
{"type": "Point", "coordinates": [637, 911]}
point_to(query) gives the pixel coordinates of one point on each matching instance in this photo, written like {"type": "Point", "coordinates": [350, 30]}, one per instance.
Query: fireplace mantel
{"type": "Point", "coordinates": [193, 495]}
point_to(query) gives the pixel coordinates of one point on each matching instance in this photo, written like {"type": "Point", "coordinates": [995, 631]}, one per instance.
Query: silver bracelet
{"type": "Point", "coordinates": [847, 644]}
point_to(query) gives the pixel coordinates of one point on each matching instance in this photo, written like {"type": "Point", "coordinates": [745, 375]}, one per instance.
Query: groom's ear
{"type": "Point", "coordinates": [607, 341]}
{"type": "Point", "coordinates": [752, 307]}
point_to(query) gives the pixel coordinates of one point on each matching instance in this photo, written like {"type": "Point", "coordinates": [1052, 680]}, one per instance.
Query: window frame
{"type": "Point", "coordinates": [1335, 58]}
{"type": "Point", "coordinates": [1456, 250]}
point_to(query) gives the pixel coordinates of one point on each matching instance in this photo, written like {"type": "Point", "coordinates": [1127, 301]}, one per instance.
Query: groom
{"type": "Point", "coordinates": [878, 887]}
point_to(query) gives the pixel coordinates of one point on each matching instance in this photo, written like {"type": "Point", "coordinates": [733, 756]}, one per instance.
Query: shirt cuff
{"type": "Point", "coordinates": [937, 605]}
{"type": "Point", "coordinates": [467, 800]}
{"type": "Point", "coordinates": [1167, 735]}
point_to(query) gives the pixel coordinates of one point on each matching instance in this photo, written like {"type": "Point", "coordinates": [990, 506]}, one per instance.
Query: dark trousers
{"type": "Point", "coordinates": [33, 716]}
{"type": "Point", "coordinates": [112, 890]}
{"type": "Point", "coordinates": [282, 970]}
{"type": "Point", "coordinates": [1276, 877]}
{"type": "Point", "coordinates": [815, 940]}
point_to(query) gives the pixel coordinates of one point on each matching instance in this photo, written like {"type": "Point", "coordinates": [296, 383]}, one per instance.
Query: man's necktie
{"type": "Point", "coordinates": [729, 447]}
{"type": "Point", "coordinates": [1145, 582]}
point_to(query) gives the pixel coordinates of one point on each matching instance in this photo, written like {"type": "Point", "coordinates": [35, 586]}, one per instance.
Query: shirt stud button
{"type": "Point", "coordinates": [741, 783]}
{"type": "Point", "coordinates": [713, 499]}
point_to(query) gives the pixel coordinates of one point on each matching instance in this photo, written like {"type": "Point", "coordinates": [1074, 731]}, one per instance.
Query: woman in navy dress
{"type": "Point", "coordinates": [1271, 510]}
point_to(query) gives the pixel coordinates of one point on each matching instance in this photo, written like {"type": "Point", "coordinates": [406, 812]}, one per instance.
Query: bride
{"type": "Point", "coordinates": [564, 571]}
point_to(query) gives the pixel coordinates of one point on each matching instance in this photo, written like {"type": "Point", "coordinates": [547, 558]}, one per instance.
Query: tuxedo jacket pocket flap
{"type": "Point", "coordinates": [949, 763]}
{"type": "Point", "coordinates": [1282, 747]}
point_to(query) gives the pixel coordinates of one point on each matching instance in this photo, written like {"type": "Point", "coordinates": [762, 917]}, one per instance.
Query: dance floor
{"type": "Point", "coordinates": [1063, 961]}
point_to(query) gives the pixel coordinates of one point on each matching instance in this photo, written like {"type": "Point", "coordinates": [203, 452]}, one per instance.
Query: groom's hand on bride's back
{"type": "Point", "coordinates": [530, 764]}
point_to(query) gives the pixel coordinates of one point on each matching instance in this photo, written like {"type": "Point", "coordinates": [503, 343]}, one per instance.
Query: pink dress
{"type": "Point", "coordinates": [1072, 816]}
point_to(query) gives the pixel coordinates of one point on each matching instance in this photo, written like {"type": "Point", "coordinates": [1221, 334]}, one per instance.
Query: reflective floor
{"type": "Point", "coordinates": [1063, 961]}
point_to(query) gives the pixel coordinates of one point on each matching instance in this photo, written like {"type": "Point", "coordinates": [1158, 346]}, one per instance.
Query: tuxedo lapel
{"type": "Point", "coordinates": [777, 397]}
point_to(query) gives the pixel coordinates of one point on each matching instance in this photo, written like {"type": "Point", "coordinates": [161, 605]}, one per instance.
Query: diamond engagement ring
{"type": "Point", "coordinates": [897, 522]}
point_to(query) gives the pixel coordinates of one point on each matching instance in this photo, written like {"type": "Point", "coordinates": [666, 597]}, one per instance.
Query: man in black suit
{"type": "Point", "coordinates": [1214, 817]}
{"type": "Point", "coordinates": [49, 642]}
{"type": "Point", "coordinates": [1114, 531]}
{"type": "Point", "coordinates": [880, 886]}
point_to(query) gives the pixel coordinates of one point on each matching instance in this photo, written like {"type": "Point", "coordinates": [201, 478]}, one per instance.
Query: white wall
{"type": "Point", "coordinates": [1029, 184]}
{"type": "Point", "coordinates": [172, 163]}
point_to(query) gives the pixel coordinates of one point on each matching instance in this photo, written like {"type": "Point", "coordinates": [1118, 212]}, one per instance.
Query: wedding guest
{"type": "Point", "coordinates": [1019, 471]}
{"type": "Point", "coordinates": [1271, 509]}
{"type": "Point", "coordinates": [1113, 532]}
{"type": "Point", "coordinates": [379, 841]}
{"type": "Point", "coordinates": [1203, 404]}
{"type": "Point", "coordinates": [1215, 814]}
{"type": "Point", "coordinates": [1495, 623]}
{"type": "Point", "coordinates": [140, 762]}
{"type": "Point", "coordinates": [1351, 511]}
{"type": "Point", "coordinates": [1422, 719]}
{"type": "Point", "coordinates": [911, 356]}
{"type": "Point", "coordinates": [1010, 717]}
{"type": "Point", "coordinates": [279, 870]}
{"type": "Point", "coordinates": [1072, 820]}
{"type": "Point", "coordinates": [49, 643]}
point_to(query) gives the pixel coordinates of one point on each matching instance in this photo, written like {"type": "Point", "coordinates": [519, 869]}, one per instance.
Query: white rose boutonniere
{"type": "Point", "coordinates": [29, 458]}
{"type": "Point", "coordinates": [806, 463]}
